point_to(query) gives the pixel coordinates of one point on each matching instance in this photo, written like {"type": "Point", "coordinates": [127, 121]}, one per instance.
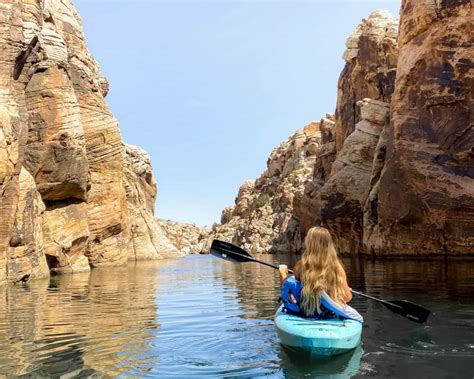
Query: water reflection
{"type": "Point", "coordinates": [444, 286]}
{"type": "Point", "coordinates": [204, 317]}
{"type": "Point", "coordinates": [297, 365]}
{"type": "Point", "coordinates": [79, 324]}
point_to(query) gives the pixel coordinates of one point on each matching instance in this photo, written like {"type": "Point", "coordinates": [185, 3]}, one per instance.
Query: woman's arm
{"type": "Point", "coordinates": [283, 270]}
{"type": "Point", "coordinates": [347, 290]}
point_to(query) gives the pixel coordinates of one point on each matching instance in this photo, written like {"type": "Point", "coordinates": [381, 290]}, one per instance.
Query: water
{"type": "Point", "coordinates": [204, 317]}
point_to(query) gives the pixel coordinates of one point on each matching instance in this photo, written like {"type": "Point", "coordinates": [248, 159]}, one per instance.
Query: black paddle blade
{"type": "Point", "coordinates": [411, 311]}
{"type": "Point", "coordinates": [229, 252]}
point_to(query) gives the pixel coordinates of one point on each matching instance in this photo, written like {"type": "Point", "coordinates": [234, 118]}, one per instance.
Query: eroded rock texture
{"type": "Point", "coordinates": [188, 238]}
{"type": "Point", "coordinates": [395, 173]}
{"type": "Point", "coordinates": [148, 239]}
{"type": "Point", "coordinates": [426, 195]}
{"type": "Point", "coordinates": [62, 194]}
{"type": "Point", "coordinates": [335, 195]}
{"type": "Point", "coordinates": [371, 61]}
{"type": "Point", "coordinates": [344, 196]}
{"type": "Point", "coordinates": [263, 217]}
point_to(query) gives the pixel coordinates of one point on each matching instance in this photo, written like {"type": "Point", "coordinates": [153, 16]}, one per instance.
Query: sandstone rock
{"type": "Point", "coordinates": [148, 240]}
{"type": "Point", "coordinates": [402, 185]}
{"type": "Point", "coordinates": [327, 153]}
{"type": "Point", "coordinates": [371, 59]}
{"type": "Point", "coordinates": [62, 168]}
{"type": "Point", "coordinates": [426, 194]}
{"type": "Point", "coordinates": [307, 201]}
{"type": "Point", "coordinates": [263, 219]}
{"type": "Point", "coordinates": [55, 149]}
{"type": "Point", "coordinates": [66, 234]}
{"type": "Point", "coordinates": [307, 209]}
{"type": "Point", "coordinates": [107, 210]}
{"type": "Point", "coordinates": [344, 196]}
{"type": "Point", "coordinates": [188, 238]}
{"type": "Point", "coordinates": [25, 256]}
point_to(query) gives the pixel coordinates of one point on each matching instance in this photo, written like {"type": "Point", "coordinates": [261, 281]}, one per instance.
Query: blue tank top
{"type": "Point", "coordinates": [292, 286]}
{"type": "Point", "coordinates": [329, 308]}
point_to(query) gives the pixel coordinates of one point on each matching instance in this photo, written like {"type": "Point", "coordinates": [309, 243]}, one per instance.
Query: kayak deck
{"type": "Point", "coordinates": [323, 338]}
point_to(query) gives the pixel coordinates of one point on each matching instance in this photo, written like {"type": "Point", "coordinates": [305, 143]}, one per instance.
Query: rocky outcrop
{"type": "Point", "coordinates": [148, 240]}
{"type": "Point", "coordinates": [344, 195]}
{"type": "Point", "coordinates": [405, 185]}
{"type": "Point", "coordinates": [263, 217]}
{"type": "Point", "coordinates": [370, 56]}
{"type": "Point", "coordinates": [371, 60]}
{"type": "Point", "coordinates": [395, 174]}
{"type": "Point", "coordinates": [63, 198]}
{"type": "Point", "coordinates": [26, 259]}
{"type": "Point", "coordinates": [188, 238]}
{"type": "Point", "coordinates": [426, 194]}
{"type": "Point", "coordinates": [307, 202]}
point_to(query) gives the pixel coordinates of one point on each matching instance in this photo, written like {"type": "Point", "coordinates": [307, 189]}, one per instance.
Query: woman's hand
{"type": "Point", "coordinates": [283, 269]}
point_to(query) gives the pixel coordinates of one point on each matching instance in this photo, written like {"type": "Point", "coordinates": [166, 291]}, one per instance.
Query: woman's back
{"type": "Point", "coordinates": [319, 271]}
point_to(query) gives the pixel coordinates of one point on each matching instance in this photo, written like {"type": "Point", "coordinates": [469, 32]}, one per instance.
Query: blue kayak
{"type": "Point", "coordinates": [323, 338]}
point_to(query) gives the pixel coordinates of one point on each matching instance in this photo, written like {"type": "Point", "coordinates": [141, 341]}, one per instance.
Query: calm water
{"type": "Point", "coordinates": [204, 317]}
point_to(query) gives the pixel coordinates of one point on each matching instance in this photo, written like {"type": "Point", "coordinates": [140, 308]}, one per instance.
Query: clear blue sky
{"type": "Point", "coordinates": [210, 88]}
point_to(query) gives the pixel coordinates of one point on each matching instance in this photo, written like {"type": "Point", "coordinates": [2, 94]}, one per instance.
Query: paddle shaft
{"type": "Point", "coordinates": [404, 308]}
{"type": "Point", "coordinates": [252, 259]}
{"type": "Point", "coordinates": [249, 258]}
{"type": "Point", "coordinates": [384, 302]}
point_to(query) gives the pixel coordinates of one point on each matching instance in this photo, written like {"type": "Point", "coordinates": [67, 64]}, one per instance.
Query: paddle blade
{"type": "Point", "coordinates": [229, 252]}
{"type": "Point", "coordinates": [411, 311]}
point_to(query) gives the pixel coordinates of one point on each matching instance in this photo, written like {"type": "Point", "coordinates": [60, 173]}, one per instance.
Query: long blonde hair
{"type": "Point", "coordinates": [322, 271]}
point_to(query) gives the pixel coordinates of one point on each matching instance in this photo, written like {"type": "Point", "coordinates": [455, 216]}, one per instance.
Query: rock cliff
{"type": "Point", "coordinates": [187, 238]}
{"type": "Point", "coordinates": [148, 240]}
{"type": "Point", "coordinates": [426, 191]}
{"type": "Point", "coordinates": [406, 185]}
{"type": "Point", "coordinates": [262, 219]}
{"type": "Point", "coordinates": [393, 173]}
{"type": "Point", "coordinates": [71, 195]}
{"type": "Point", "coordinates": [369, 72]}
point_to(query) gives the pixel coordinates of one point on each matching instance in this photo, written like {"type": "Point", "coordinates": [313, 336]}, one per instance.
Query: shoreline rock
{"type": "Point", "coordinates": [187, 238]}
{"type": "Point", "coordinates": [72, 196]}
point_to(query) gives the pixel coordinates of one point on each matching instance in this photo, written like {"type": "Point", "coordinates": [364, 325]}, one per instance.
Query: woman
{"type": "Point", "coordinates": [319, 280]}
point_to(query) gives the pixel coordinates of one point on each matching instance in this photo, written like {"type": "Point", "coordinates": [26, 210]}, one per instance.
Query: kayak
{"type": "Point", "coordinates": [323, 338]}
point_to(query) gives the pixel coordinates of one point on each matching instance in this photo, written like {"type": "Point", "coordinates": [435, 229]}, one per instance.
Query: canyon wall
{"type": "Point", "coordinates": [187, 238]}
{"type": "Point", "coordinates": [407, 187]}
{"type": "Point", "coordinates": [394, 173]}
{"type": "Point", "coordinates": [262, 219]}
{"type": "Point", "coordinates": [71, 194]}
{"type": "Point", "coordinates": [426, 190]}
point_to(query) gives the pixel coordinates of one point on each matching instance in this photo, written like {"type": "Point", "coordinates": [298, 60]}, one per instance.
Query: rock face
{"type": "Point", "coordinates": [394, 174]}
{"type": "Point", "coordinates": [262, 219]}
{"type": "Point", "coordinates": [344, 195]}
{"type": "Point", "coordinates": [64, 195]}
{"type": "Point", "coordinates": [307, 202]}
{"type": "Point", "coordinates": [148, 240]}
{"type": "Point", "coordinates": [426, 194]}
{"type": "Point", "coordinates": [371, 61]}
{"type": "Point", "coordinates": [405, 185]}
{"type": "Point", "coordinates": [188, 238]}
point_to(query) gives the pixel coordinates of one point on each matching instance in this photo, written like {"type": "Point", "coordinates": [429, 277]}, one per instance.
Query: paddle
{"type": "Point", "coordinates": [411, 311]}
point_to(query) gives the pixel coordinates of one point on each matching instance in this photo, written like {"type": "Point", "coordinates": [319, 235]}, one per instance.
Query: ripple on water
{"type": "Point", "coordinates": [427, 349]}
{"type": "Point", "coordinates": [202, 317]}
